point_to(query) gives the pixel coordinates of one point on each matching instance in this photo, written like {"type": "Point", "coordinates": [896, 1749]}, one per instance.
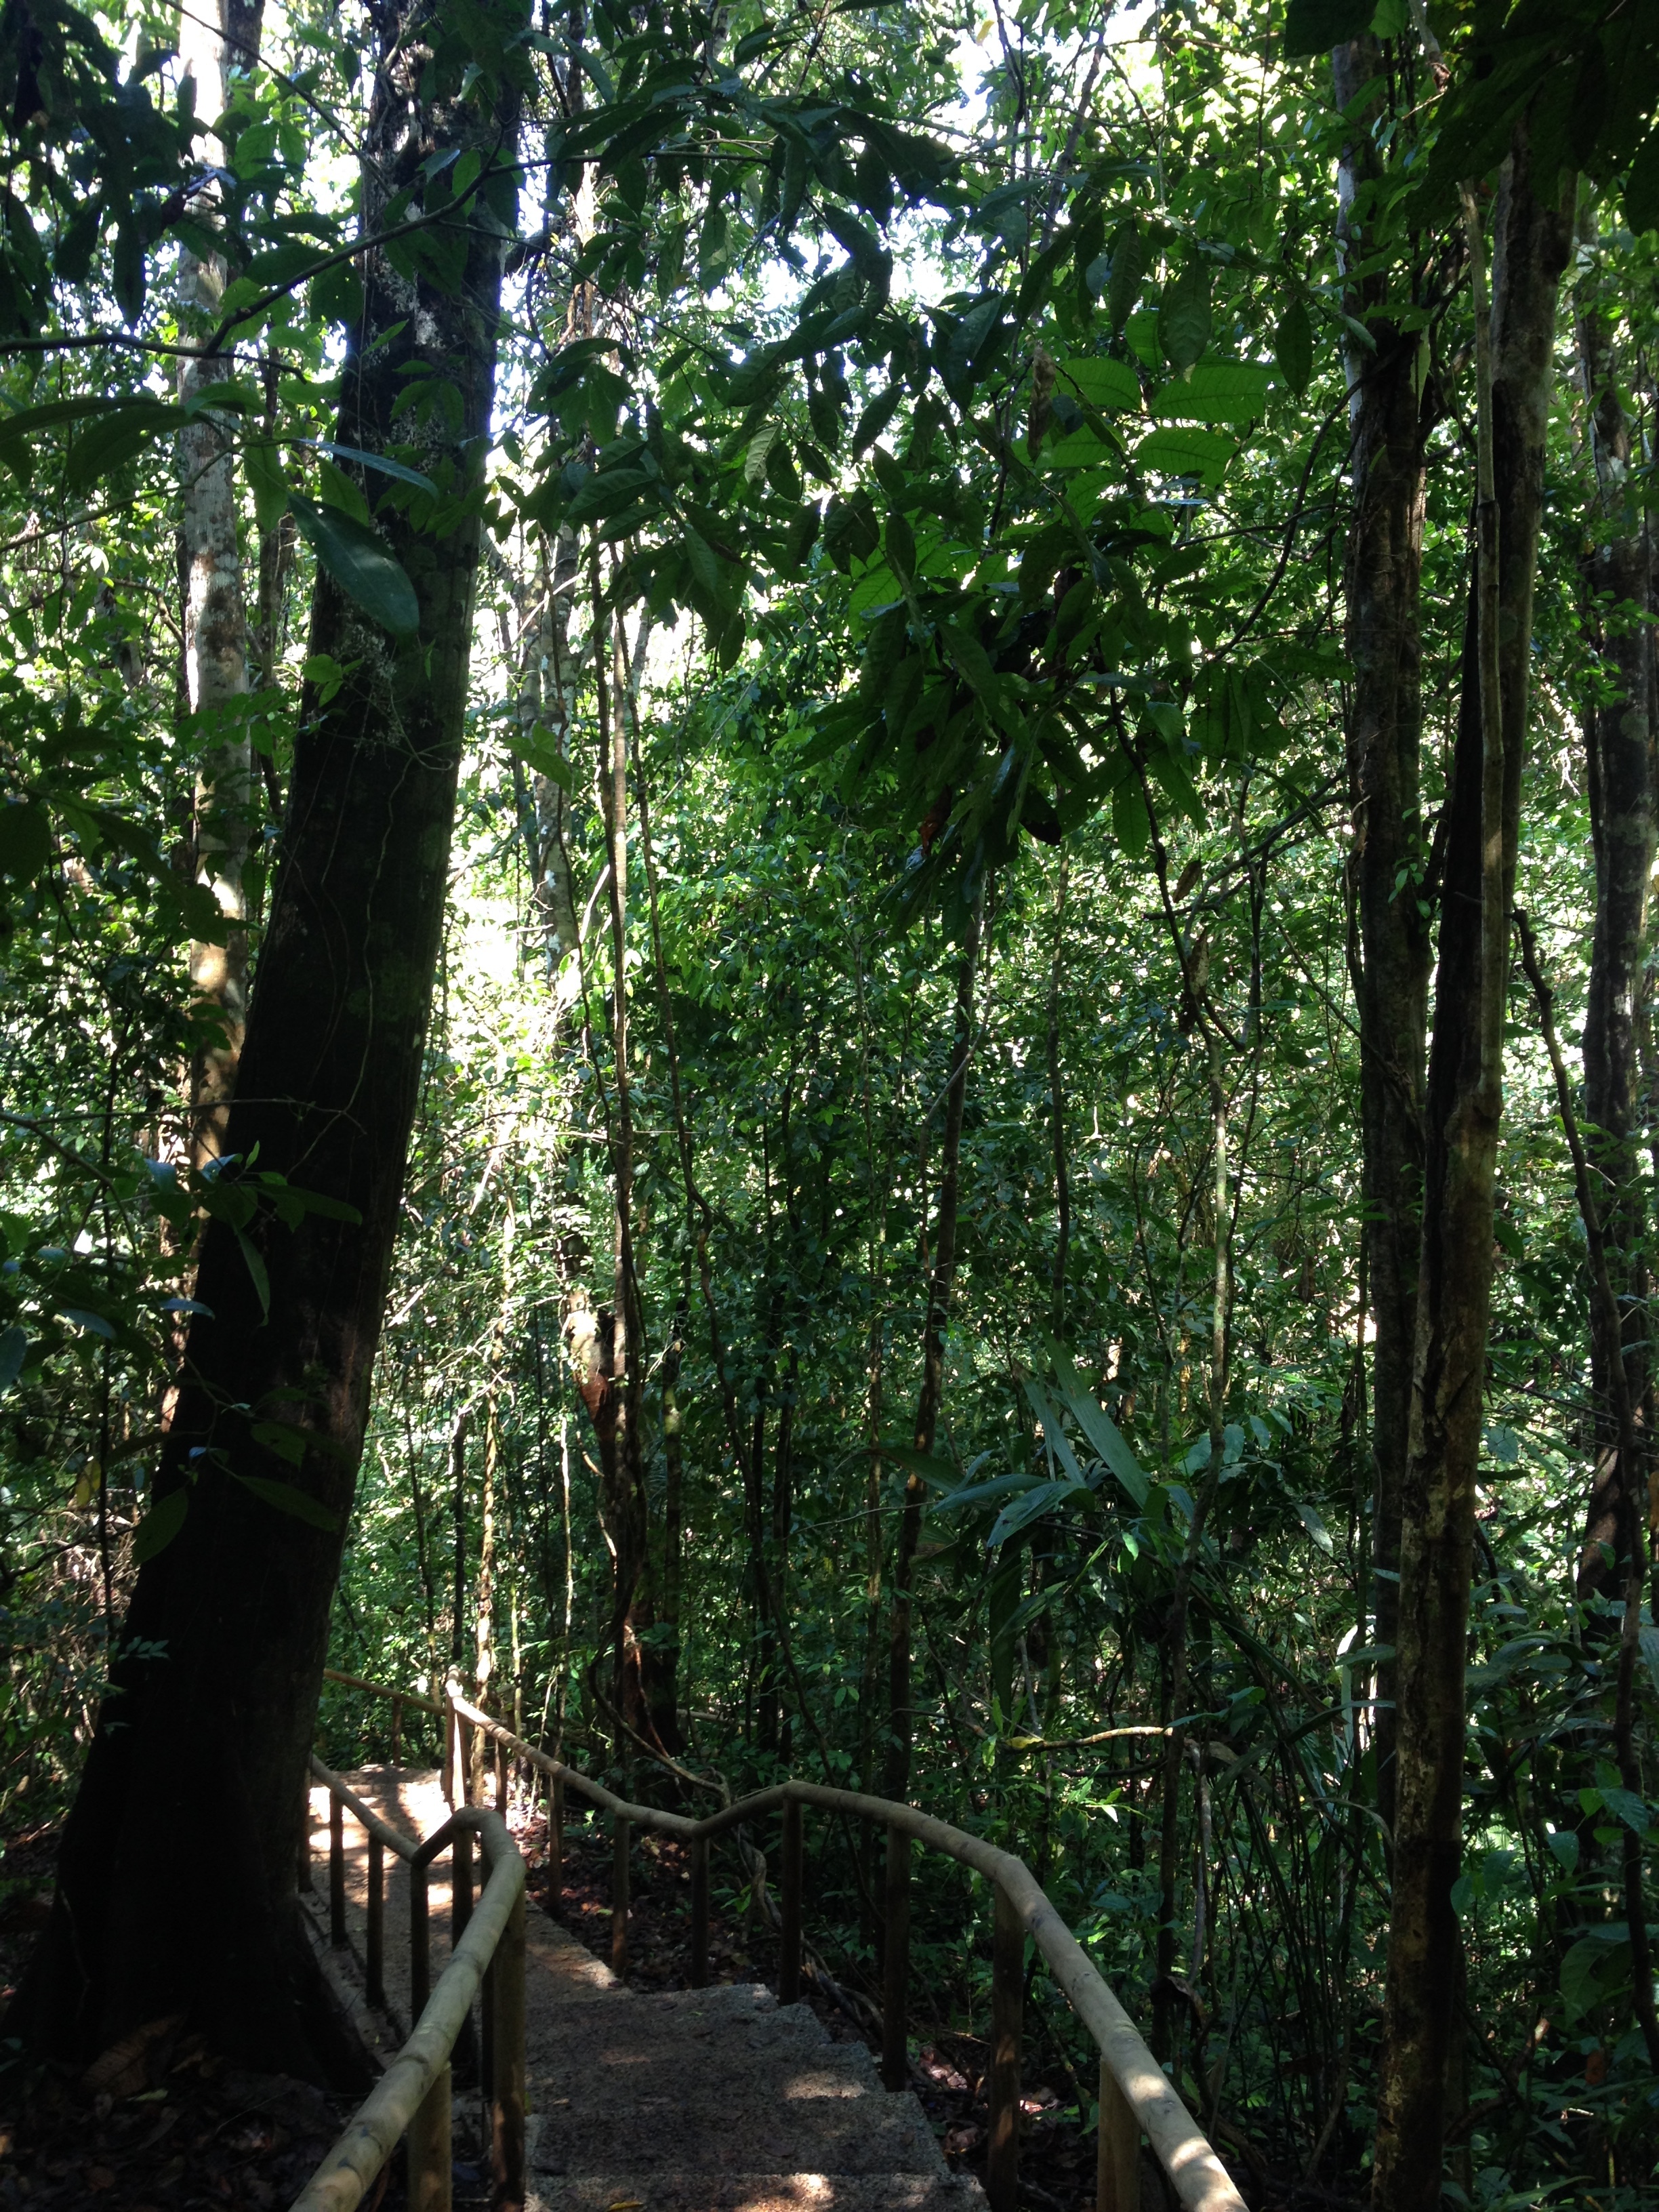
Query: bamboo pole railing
{"type": "Point", "coordinates": [1136, 2098]}
{"type": "Point", "coordinates": [412, 2097]}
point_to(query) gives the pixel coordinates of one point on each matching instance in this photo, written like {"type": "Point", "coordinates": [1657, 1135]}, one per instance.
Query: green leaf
{"type": "Point", "coordinates": [340, 493]}
{"type": "Point", "coordinates": [1111, 385]}
{"type": "Point", "coordinates": [1183, 315]}
{"type": "Point", "coordinates": [1315, 1527]}
{"type": "Point", "coordinates": [114, 441]}
{"type": "Point", "coordinates": [941, 1473]}
{"type": "Point", "coordinates": [379, 462]}
{"type": "Point", "coordinates": [160, 1525]}
{"type": "Point", "coordinates": [14, 1349]}
{"type": "Point", "coordinates": [1314, 26]}
{"type": "Point", "coordinates": [1128, 264]}
{"type": "Point", "coordinates": [1293, 347]}
{"type": "Point", "coordinates": [1032, 1507]}
{"type": "Point", "coordinates": [287, 1499]}
{"type": "Point", "coordinates": [1105, 1438]}
{"type": "Point", "coordinates": [1181, 453]}
{"type": "Point", "coordinates": [1215, 392]}
{"type": "Point", "coordinates": [255, 1268]}
{"type": "Point", "coordinates": [24, 839]}
{"type": "Point", "coordinates": [262, 464]}
{"type": "Point", "coordinates": [356, 558]}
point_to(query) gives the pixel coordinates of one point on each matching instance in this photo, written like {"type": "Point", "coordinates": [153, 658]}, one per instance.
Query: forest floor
{"type": "Point", "coordinates": [947, 2070]}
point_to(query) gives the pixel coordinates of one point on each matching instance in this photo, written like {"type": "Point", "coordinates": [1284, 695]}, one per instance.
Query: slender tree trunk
{"type": "Point", "coordinates": [1389, 413]}
{"type": "Point", "coordinates": [458, 1438]}
{"type": "Point", "coordinates": [214, 1693]}
{"type": "Point", "coordinates": [216, 39]}
{"type": "Point", "coordinates": [1632, 1491]}
{"type": "Point", "coordinates": [1619, 594]}
{"type": "Point", "coordinates": [1057, 1097]}
{"type": "Point", "coordinates": [1463, 1111]}
{"type": "Point", "coordinates": [900, 1723]}
{"type": "Point", "coordinates": [665, 1678]}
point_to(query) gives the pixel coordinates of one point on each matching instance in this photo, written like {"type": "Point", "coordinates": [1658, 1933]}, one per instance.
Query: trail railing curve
{"type": "Point", "coordinates": [1136, 2098]}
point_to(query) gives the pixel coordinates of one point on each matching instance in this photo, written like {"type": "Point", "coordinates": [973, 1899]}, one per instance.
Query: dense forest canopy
{"type": "Point", "coordinates": [823, 934]}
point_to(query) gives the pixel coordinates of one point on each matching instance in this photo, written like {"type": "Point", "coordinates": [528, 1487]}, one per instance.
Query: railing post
{"type": "Point", "coordinates": [303, 1869]}
{"type": "Point", "coordinates": [619, 1897]}
{"type": "Point", "coordinates": [337, 1920]}
{"type": "Point", "coordinates": [429, 2153]}
{"type": "Point", "coordinates": [1007, 2009]}
{"type": "Point", "coordinates": [556, 1845]}
{"type": "Point", "coordinates": [500, 1777]}
{"type": "Point", "coordinates": [896, 1963]}
{"type": "Point", "coordinates": [374, 1945]}
{"type": "Point", "coordinates": [507, 2128]}
{"type": "Point", "coordinates": [460, 1912]}
{"type": "Point", "coordinates": [699, 1912]}
{"type": "Point", "coordinates": [451, 1728]}
{"type": "Point", "coordinates": [789, 1906]}
{"type": "Point", "coordinates": [1117, 2156]}
{"type": "Point", "coordinates": [420, 1945]}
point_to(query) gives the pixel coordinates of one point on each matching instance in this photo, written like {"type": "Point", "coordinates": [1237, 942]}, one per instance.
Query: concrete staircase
{"type": "Point", "coordinates": [694, 2100]}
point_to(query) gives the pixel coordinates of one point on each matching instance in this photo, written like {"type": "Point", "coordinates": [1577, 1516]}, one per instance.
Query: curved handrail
{"type": "Point", "coordinates": [1201, 2181]}
{"type": "Point", "coordinates": [412, 2096]}
{"type": "Point", "coordinates": [1135, 2095]}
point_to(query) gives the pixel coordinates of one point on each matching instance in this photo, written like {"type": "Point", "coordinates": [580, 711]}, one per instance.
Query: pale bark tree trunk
{"type": "Point", "coordinates": [1618, 588]}
{"type": "Point", "coordinates": [901, 1726]}
{"type": "Point", "coordinates": [1422, 2015]}
{"type": "Point", "coordinates": [216, 640]}
{"type": "Point", "coordinates": [1389, 412]}
{"type": "Point", "coordinates": [213, 1691]}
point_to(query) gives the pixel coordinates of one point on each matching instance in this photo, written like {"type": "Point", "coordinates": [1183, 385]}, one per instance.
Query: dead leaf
{"type": "Point", "coordinates": [1595, 2068]}
{"type": "Point", "coordinates": [99, 2177]}
{"type": "Point", "coordinates": [123, 2068]}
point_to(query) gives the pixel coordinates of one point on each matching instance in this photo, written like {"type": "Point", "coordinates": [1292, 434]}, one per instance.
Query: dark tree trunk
{"type": "Point", "coordinates": [1464, 1108]}
{"type": "Point", "coordinates": [1618, 590]}
{"type": "Point", "coordinates": [900, 1725]}
{"type": "Point", "coordinates": [1389, 413]}
{"type": "Point", "coordinates": [175, 1888]}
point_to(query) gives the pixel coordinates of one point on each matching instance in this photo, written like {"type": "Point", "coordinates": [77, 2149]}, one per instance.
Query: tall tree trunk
{"type": "Point", "coordinates": [214, 40]}
{"type": "Point", "coordinates": [900, 1729]}
{"type": "Point", "coordinates": [458, 1440]}
{"type": "Point", "coordinates": [1389, 413]}
{"type": "Point", "coordinates": [1619, 595]}
{"type": "Point", "coordinates": [666, 1676]}
{"type": "Point", "coordinates": [1057, 1097]}
{"type": "Point", "coordinates": [621, 1457]}
{"type": "Point", "coordinates": [1463, 1111]}
{"type": "Point", "coordinates": [214, 1693]}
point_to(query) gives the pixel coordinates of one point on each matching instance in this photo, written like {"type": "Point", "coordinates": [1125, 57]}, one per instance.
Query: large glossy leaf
{"type": "Point", "coordinates": [1183, 315]}
{"type": "Point", "coordinates": [1111, 385]}
{"type": "Point", "coordinates": [1175, 452]}
{"type": "Point", "coordinates": [1215, 392]}
{"type": "Point", "coordinates": [160, 1525]}
{"type": "Point", "coordinates": [111, 441]}
{"type": "Point", "coordinates": [1032, 1507]}
{"type": "Point", "coordinates": [357, 559]}
{"type": "Point", "coordinates": [1105, 1438]}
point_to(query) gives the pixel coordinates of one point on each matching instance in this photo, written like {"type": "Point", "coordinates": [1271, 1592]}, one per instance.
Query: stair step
{"type": "Point", "coordinates": [731, 2128]}
{"type": "Point", "coordinates": [760, 2192]}
{"type": "Point", "coordinates": [652, 2079]}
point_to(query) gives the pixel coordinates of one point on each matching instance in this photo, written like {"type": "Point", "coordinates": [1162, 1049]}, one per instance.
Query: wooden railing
{"type": "Point", "coordinates": [412, 2097]}
{"type": "Point", "coordinates": [1136, 2098]}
